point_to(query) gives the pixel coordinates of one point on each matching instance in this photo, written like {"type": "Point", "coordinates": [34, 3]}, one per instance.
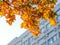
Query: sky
{"type": "Point", "coordinates": [8, 33]}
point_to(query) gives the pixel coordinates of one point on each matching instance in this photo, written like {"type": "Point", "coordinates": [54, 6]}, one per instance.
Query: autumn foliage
{"type": "Point", "coordinates": [30, 12]}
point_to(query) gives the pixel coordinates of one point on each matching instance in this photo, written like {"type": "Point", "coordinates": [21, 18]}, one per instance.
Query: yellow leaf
{"type": "Point", "coordinates": [45, 16]}
{"type": "Point", "coordinates": [35, 34]}
{"type": "Point", "coordinates": [1, 13]}
{"type": "Point", "coordinates": [53, 22]}
{"type": "Point", "coordinates": [24, 25]}
{"type": "Point", "coordinates": [52, 5]}
{"type": "Point", "coordinates": [9, 22]}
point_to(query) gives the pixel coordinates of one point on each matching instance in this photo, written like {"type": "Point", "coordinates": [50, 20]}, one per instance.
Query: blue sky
{"type": "Point", "coordinates": [7, 33]}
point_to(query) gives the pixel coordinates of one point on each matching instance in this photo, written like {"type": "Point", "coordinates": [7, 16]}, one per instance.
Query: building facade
{"type": "Point", "coordinates": [50, 34]}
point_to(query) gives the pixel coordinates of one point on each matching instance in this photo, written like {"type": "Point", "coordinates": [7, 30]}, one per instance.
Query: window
{"type": "Point", "coordinates": [41, 39]}
{"type": "Point", "coordinates": [57, 44]}
{"type": "Point", "coordinates": [58, 18]}
{"type": "Point", "coordinates": [44, 43]}
{"type": "Point", "coordinates": [55, 37]}
{"type": "Point", "coordinates": [26, 42]}
{"type": "Point", "coordinates": [59, 26]}
{"type": "Point", "coordinates": [31, 38]}
{"type": "Point", "coordinates": [59, 34]}
{"type": "Point", "coordinates": [34, 43]}
{"type": "Point", "coordinates": [42, 21]}
{"type": "Point", "coordinates": [43, 29]}
{"type": "Point", "coordinates": [50, 41]}
{"type": "Point", "coordinates": [23, 43]}
{"type": "Point", "coordinates": [48, 26]}
{"type": "Point", "coordinates": [50, 32]}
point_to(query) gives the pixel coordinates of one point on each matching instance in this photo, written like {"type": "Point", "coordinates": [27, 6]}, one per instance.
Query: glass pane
{"type": "Point", "coordinates": [59, 34]}
{"type": "Point", "coordinates": [26, 42]}
{"type": "Point", "coordinates": [57, 44]}
{"type": "Point", "coordinates": [23, 43]}
{"type": "Point", "coordinates": [42, 21]}
{"type": "Point", "coordinates": [31, 38]}
{"type": "Point", "coordinates": [59, 26]}
{"type": "Point", "coordinates": [48, 26]}
{"type": "Point", "coordinates": [50, 41]}
{"type": "Point", "coordinates": [43, 29]}
{"type": "Point", "coordinates": [55, 38]}
{"type": "Point", "coordinates": [44, 43]}
{"type": "Point", "coordinates": [58, 18]}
